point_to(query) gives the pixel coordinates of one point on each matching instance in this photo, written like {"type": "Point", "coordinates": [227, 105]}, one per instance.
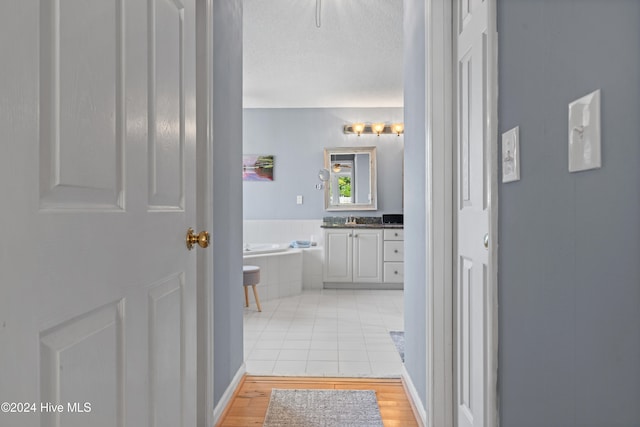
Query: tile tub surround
{"type": "Point", "coordinates": [287, 273]}
{"type": "Point", "coordinates": [282, 230]}
{"type": "Point", "coordinates": [264, 231]}
{"type": "Point", "coordinates": [312, 261]}
{"type": "Point", "coordinates": [280, 273]}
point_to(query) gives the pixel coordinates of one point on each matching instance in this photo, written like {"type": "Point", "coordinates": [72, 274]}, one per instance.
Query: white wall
{"type": "Point", "coordinates": [415, 218]}
{"type": "Point", "coordinates": [227, 182]}
{"type": "Point", "coordinates": [297, 138]}
{"type": "Point", "coordinates": [569, 270]}
{"type": "Point", "coordinates": [282, 231]}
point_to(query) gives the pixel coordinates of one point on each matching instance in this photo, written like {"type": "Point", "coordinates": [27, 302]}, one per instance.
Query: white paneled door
{"type": "Point", "coordinates": [97, 179]}
{"type": "Point", "coordinates": [473, 320]}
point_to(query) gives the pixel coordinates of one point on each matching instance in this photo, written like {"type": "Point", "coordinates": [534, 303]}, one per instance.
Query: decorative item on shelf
{"type": "Point", "coordinates": [374, 128]}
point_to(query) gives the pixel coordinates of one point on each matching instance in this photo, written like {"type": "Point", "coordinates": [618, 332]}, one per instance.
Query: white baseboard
{"type": "Point", "coordinates": [228, 394]}
{"type": "Point", "coordinates": [414, 398]}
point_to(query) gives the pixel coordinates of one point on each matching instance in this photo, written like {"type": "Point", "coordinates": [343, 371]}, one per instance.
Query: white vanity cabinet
{"type": "Point", "coordinates": [338, 255]}
{"type": "Point", "coordinates": [353, 255]}
{"type": "Point", "coordinates": [394, 255]}
{"type": "Point", "coordinates": [367, 251]}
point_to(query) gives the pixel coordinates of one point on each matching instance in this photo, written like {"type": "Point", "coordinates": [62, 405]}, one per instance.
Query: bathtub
{"type": "Point", "coordinates": [280, 268]}
{"type": "Point", "coordinates": [264, 248]}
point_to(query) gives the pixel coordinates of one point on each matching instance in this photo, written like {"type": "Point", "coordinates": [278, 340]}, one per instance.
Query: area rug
{"type": "Point", "coordinates": [323, 408]}
{"type": "Point", "coordinates": [398, 340]}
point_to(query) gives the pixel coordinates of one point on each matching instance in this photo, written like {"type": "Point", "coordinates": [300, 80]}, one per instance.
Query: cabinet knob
{"type": "Point", "coordinates": [395, 251]}
{"type": "Point", "coordinates": [350, 235]}
{"type": "Point", "coordinates": [396, 234]}
{"type": "Point", "coordinates": [395, 272]}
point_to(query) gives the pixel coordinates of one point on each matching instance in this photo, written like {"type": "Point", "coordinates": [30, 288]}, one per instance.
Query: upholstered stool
{"type": "Point", "coordinates": [251, 277]}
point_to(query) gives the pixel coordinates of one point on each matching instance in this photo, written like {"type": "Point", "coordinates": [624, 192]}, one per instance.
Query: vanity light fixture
{"type": "Point", "coordinates": [358, 128]}
{"type": "Point", "coordinates": [377, 128]}
{"type": "Point", "coordinates": [397, 128]}
{"type": "Point", "coordinates": [374, 128]}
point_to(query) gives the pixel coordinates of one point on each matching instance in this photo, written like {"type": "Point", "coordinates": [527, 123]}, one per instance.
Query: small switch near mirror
{"type": "Point", "coordinates": [299, 200]}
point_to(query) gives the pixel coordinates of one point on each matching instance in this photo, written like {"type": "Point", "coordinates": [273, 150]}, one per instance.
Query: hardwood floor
{"type": "Point", "coordinates": [249, 404]}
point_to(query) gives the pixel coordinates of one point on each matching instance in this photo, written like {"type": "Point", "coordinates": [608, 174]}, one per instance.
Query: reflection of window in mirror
{"type": "Point", "coordinates": [344, 188]}
{"type": "Point", "coordinates": [342, 172]}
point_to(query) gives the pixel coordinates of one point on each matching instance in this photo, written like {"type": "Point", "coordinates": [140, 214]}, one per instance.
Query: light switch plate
{"type": "Point", "coordinates": [511, 155]}
{"type": "Point", "coordinates": [299, 200]}
{"type": "Point", "coordinates": [584, 133]}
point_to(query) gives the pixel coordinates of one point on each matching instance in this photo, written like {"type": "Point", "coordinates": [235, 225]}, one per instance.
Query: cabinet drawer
{"type": "Point", "coordinates": [394, 234]}
{"type": "Point", "coordinates": [393, 250]}
{"type": "Point", "coordinates": [394, 272]}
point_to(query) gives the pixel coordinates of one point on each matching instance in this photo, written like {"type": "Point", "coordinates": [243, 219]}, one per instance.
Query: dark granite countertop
{"type": "Point", "coordinates": [345, 225]}
{"type": "Point", "coordinates": [356, 222]}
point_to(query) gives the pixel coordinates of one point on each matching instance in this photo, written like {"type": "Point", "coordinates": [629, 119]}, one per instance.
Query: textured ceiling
{"type": "Point", "coordinates": [353, 60]}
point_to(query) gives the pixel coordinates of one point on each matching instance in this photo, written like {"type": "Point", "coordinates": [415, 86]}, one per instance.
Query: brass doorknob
{"type": "Point", "coordinates": [202, 239]}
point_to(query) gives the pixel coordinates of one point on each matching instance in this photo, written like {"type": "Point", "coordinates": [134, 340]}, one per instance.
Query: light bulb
{"type": "Point", "coordinates": [358, 128]}
{"type": "Point", "coordinates": [377, 128]}
{"type": "Point", "coordinates": [397, 128]}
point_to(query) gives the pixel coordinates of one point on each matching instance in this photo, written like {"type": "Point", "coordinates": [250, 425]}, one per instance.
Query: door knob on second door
{"type": "Point", "coordinates": [202, 239]}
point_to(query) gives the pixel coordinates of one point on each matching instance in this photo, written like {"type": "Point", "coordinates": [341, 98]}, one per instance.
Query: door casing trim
{"type": "Point", "coordinates": [441, 169]}
{"type": "Point", "coordinates": [204, 209]}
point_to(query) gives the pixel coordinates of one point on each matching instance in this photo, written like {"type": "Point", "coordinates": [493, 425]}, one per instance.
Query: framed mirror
{"type": "Point", "coordinates": [352, 179]}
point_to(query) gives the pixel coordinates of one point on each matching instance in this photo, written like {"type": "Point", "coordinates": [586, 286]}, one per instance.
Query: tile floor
{"type": "Point", "coordinates": [325, 333]}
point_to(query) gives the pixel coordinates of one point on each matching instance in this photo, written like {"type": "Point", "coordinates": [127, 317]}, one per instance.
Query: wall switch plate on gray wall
{"type": "Point", "coordinates": [511, 155]}
{"type": "Point", "coordinates": [584, 133]}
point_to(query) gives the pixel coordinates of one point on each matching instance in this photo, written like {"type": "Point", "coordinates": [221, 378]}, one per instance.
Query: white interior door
{"type": "Point", "coordinates": [97, 292]}
{"type": "Point", "coordinates": [474, 91]}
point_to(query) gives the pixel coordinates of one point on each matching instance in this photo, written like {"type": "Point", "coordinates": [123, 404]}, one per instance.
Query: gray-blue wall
{"type": "Point", "coordinates": [297, 138]}
{"type": "Point", "coordinates": [415, 192]}
{"type": "Point", "coordinates": [227, 187]}
{"type": "Point", "coordinates": [569, 243]}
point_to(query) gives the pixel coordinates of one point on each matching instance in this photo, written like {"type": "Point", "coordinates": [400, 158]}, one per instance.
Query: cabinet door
{"type": "Point", "coordinates": [367, 255]}
{"type": "Point", "coordinates": [393, 272]}
{"type": "Point", "coordinates": [394, 250]}
{"type": "Point", "coordinates": [394, 234]}
{"type": "Point", "coordinates": [338, 252]}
